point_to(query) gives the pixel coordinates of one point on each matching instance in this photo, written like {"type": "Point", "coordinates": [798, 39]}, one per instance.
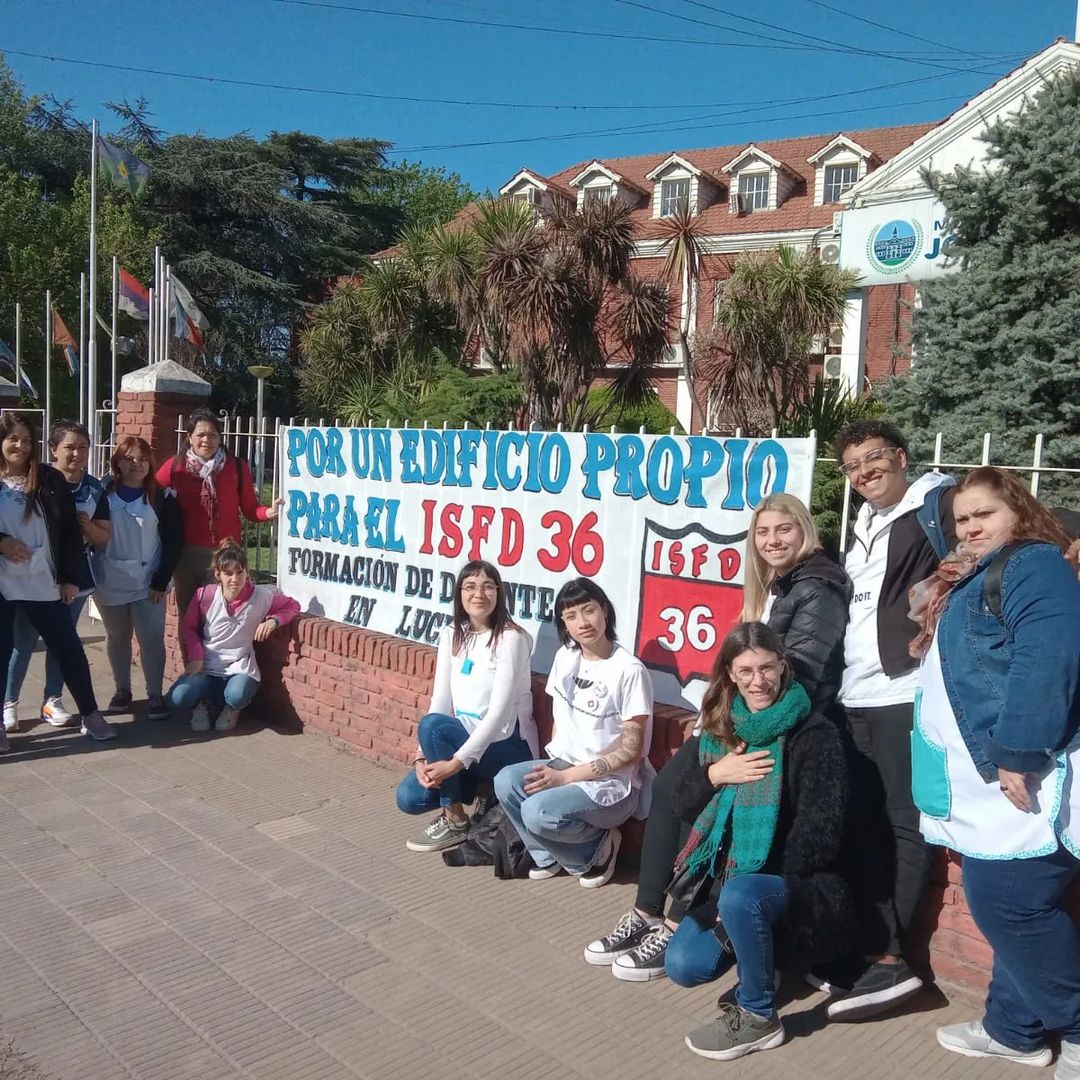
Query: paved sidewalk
{"type": "Point", "coordinates": [244, 906]}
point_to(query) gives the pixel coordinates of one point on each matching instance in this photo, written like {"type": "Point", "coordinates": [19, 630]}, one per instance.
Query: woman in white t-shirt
{"type": "Point", "coordinates": [568, 810]}
{"type": "Point", "coordinates": [480, 717]}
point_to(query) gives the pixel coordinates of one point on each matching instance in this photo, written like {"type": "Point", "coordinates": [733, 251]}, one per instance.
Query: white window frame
{"type": "Point", "coordinates": [600, 193]}
{"type": "Point", "coordinates": [757, 199]}
{"type": "Point", "coordinates": [668, 203]}
{"type": "Point", "coordinates": [851, 168]}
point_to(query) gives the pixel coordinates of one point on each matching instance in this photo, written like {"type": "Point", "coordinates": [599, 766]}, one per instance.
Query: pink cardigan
{"type": "Point", "coordinates": [283, 608]}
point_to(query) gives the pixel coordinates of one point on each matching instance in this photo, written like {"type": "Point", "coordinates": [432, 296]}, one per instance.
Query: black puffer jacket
{"type": "Point", "coordinates": [810, 613]}
{"type": "Point", "coordinates": [819, 922]}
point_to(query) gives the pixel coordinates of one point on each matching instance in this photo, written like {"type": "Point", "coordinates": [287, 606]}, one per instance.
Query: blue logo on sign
{"type": "Point", "coordinates": [894, 246]}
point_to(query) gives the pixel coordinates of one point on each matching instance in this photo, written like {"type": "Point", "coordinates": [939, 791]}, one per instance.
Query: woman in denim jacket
{"type": "Point", "coordinates": [995, 752]}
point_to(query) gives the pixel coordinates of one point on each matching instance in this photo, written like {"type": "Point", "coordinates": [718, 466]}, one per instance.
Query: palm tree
{"type": "Point", "coordinates": [565, 306]}
{"type": "Point", "coordinates": [774, 305]}
{"type": "Point", "coordinates": [682, 238]}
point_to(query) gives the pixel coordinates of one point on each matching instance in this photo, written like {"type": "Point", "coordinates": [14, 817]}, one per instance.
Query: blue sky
{"type": "Point", "coordinates": [707, 88]}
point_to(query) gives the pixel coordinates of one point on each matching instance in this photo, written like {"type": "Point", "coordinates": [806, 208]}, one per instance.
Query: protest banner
{"type": "Point", "coordinates": [377, 522]}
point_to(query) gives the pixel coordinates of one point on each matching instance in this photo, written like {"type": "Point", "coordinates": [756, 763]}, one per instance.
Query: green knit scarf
{"type": "Point", "coordinates": [751, 809]}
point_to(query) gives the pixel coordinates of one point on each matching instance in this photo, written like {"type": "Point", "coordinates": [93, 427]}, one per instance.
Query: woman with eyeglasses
{"type": "Point", "coordinates": [480, 716]}
{"type": "Point", "coordinates": [133, 571]}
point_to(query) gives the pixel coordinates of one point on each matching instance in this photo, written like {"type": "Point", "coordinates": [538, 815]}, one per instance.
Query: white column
{"type": "Point", "coordinates": [853, 348]}
{"type": "Point", "coordinates": [684, 403]}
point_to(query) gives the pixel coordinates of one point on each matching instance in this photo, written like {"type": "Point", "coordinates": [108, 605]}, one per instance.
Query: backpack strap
{"type": "Point", "coordinates": [994, 576]}
{"type": "Point", "coordinates": [205, 595]}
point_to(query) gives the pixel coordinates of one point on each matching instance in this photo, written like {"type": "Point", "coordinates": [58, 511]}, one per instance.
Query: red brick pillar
{"type": "Point", "coordinates": [153, 398]}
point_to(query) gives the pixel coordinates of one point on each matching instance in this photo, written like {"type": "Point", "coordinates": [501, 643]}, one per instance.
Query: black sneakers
{"type": "Point", "coordinates": [628, 934]}
{"type": "Point", "coordinates": [646, 962]}
{"type": "Point", "coordinates": [880, 988]}
{"type": "Point", "coordinates": [837, 977]}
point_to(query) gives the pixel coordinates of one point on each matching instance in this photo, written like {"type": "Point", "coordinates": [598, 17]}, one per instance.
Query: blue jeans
{"type": "Point", "coordinates": [559, 825]}
{"type": "Point", "coordinates": [440, 736]}
{"type": "Point", "coordinates": [24, 641]}
{"type": "Point", "coordinates": [1035, 986]}
{"type": "Point", "coordinates": [749, 908]}
{"type": "Point", "coordinates": [233, 691]}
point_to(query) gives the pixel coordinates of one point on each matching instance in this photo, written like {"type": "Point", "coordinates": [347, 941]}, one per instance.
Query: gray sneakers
{"type": "Point", "coordinates": [97, 727]}
{"type": "Point", "coordinates": [735, 1033]}
{"type": "Point", "coordinates": [442, 833]}
{"type": "Point", "coordinates": [226, 720]}
{"type": "Point", "coordinates": [971, 1040]}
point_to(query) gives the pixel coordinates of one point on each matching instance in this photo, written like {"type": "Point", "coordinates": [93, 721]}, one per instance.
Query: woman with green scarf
{"type": "Point", "coordinates": [759, 869]}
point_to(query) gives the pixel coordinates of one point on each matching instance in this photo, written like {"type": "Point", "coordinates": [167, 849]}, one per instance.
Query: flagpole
{"type": "Point", "coordinates": [152, 329]}
{"type": "Point", "coordinates": [82, 349]}
{"type": "Point", "coordinates": [168, 308]}
{"type": "Point", "coordinates": [91, 376]}
{"type": "Point", "coordinates": [18, 347]}
{"type": "Point", "coordinates": [164, 301]}
{"type": "Point", "coordinates": [113, 355]}
{"type": "Point", "coordinates": [48, 366]}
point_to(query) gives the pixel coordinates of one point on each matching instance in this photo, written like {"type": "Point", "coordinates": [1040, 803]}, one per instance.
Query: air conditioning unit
{"type": "Point", "coordinates": [836, 337]}
{"type": "Point", "coordinates": [830, 252]}
{"type": "Point", "coordinates": [834, 368]}
{"type": "Point", "coordinates": [736, 203]}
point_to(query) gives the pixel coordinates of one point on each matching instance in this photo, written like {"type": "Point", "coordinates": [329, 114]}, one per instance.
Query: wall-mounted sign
{"type": "Point", "coordinates": [903, 241]}
{"type": "Point", "coordinates": [378, 521]}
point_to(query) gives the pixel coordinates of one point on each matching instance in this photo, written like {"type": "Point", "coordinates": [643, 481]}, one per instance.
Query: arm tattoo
{"type": "Point", "coordinates": [625, 750]}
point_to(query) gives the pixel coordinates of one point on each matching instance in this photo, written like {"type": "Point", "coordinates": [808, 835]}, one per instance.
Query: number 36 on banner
{"type": "Point", "coordinates": [691, 595]}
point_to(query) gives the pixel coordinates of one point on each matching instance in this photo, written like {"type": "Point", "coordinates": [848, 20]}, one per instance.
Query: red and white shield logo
{"type": "Point", "coordinates": [691, 596]}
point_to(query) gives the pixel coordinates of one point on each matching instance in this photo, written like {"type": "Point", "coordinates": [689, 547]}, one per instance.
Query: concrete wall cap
{"type": "Point", "coordinates": [168, 377]}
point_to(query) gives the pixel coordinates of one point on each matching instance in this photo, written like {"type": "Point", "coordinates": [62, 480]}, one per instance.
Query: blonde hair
{"type": "Point", "coordinates": [759, 576]}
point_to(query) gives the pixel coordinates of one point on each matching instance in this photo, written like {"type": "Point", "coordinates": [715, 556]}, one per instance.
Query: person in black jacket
{"type": "Point", "coordinates": [802, 595]}
{"type": "Point", "coordinates": [759, 874]}
{"type": "Point", "coordinates": [42, 563]}
{"type": "Point", "coordinates": [133, 571]}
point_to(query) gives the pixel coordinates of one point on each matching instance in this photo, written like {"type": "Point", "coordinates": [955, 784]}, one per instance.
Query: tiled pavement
{"type": "Point", "coordinates": [243, 906]}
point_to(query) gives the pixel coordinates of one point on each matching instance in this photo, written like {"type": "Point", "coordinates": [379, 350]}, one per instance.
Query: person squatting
{"type": "Point", "coordinates": [926, 693]}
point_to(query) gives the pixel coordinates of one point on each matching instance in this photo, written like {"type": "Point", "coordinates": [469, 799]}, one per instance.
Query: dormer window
{"type": "Point", "coordinates": [529, 196]}
{"type": "Point", "coordinates": [838, 166]}
{"type": "Point", "coordinates": [598, 195]}
{"type": "Point", "coordinates": [674, 196]}
{"type": "Point", "coordinates": [759, 180]}
{"type": "Point", "coordinates": [838, 178]}
{"type": "Point", "coordinates": [754, 191]}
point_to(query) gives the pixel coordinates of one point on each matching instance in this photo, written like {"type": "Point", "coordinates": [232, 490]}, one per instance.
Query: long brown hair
{"type": "Point", "coordinates": [499, 619]}
{"type": "Point", "coordinates": [720, 694]}
{"type": "Point", "coordinates": [9, 421]}
{"type": "Point", "coordinates": [123, 448]}
{"type": "Point", "coordinates": [1033, 520]}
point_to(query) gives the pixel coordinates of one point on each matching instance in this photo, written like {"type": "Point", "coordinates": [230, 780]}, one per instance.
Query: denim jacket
{"type": "Point", "coordinates": [1015, 688]}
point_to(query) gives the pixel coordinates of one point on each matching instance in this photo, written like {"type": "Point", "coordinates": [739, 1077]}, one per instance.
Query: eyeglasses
{"type": "Point", "coordinates": [849, 468]}
{"type": "Point", "coordinates": [487, 587]}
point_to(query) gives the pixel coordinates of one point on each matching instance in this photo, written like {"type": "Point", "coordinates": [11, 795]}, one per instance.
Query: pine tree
{"type": "Point", "coordinates": [997, 344]}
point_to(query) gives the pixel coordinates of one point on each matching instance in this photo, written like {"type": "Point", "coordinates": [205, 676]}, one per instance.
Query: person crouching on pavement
{"type": "Point", "coordinates": [567, 810]}
{"type": "Point", "coordinates": [220, 628]}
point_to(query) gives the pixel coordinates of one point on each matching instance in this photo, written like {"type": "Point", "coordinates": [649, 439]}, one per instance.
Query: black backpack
{"type": "Point", "coordinates": [493, 841]}
{"type": "Point", "coordinates": [994, 574]}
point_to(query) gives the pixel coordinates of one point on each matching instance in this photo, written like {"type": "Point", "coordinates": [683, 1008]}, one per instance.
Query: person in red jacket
{"type": "Point", "coordinates": [213, 486]}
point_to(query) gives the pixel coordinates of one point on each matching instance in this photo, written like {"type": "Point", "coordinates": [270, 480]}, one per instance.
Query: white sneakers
{"type": "Point", "coordinates": [11, 716]}
{"type": "Point", "coordinates": [53, 712]}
